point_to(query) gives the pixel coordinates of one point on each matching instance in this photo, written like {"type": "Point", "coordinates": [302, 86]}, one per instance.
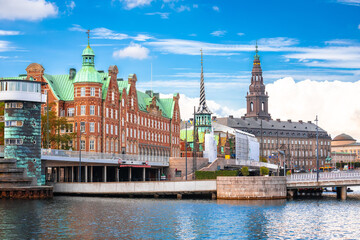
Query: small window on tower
{"type": "Point", "coordinates": [262, 106]}
{"type": "Point", "coordinates": [251, 107]}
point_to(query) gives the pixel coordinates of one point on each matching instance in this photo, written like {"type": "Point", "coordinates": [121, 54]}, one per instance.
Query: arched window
{"type": "Point", "coordinates": [262, 106]}
{"type": "Point", "coordinates": [251, 107]}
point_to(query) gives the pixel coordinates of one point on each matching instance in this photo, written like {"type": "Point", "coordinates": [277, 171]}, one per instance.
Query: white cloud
{"type": "Point", "coordinates": [278, 41]}
{"type": "Point", "coordinates": [183, 8]}
{"type": "Point", "coordinates": [195, 6]}
{"type": "Point", "coordinates": [130, 4]}
{"type": "Point", "coordinates": [187, 105]}
{"type": "Point", "coordinates": [350, 2]}
{"type": "Point", "coordinates": [240, 34]}
{"type": "Point", "coordinates": [104, 33]}
{"type": "Point", "coordinates": [163, 15]}
{"type": "Point", "coordinates": [219, 33]}
{"type": "Point", "coordinates": [30, 10]}
{"type": "Point", "coordinates": [216, 8]}
{"type": "Point", "coordinates": [134, 50]}
{"type": "Point", "coordinates": [9, 33]}
{"type": "Point", "coordinates": [359, 26]}
{"type": "Point", "coordinates": [193, 35]}
{"type": "Point", "coordinates": [70, 6]}
{"type": "Point", "coordinates": [5, 46]}
{"type": "Point", "coordinates": [333, 101]}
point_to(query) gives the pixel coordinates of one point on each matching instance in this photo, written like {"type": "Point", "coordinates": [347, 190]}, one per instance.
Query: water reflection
{"type": "Point", "coordinates": [276, 202]}
{"type": "Point", "coordinates": [116, 218]}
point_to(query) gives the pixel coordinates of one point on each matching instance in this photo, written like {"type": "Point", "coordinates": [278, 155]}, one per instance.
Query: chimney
{"type": "Point", "coordinates": [289, 120]}
{"type": "Point", "coordinates": [309, 121]}
{"type": "Point", "coordinates": [72, 73]}
{"type": "Point", "coordinates": [231, 116]}
{"type": "Point", "coordinates": [300, 121]}
{"type": "Point", "coordinates": [213, 118]}
{"type": "Point", "coordinates": [243, 117]}
{"type": "Point", "coordinates": [278, 119]}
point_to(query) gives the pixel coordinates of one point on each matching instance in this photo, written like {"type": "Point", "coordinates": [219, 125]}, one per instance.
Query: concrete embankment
{"type": "Point", "coordinates": [222, 188]}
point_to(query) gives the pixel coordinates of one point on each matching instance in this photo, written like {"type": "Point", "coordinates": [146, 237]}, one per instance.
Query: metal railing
{"type": "Point", "coordinates": [117, 158]}
{"type": "Point", "coordinates": [324, 176]}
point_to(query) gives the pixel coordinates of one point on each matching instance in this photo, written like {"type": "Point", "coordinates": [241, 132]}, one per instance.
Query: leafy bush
{"type": "Point", "coordinates": [264, 171]}
{"type": "Point", "coordinates": [245, 171]}
{"type": "Point", "coordinates": [263, 159]}
{"type": "Point", "coordinates": [199, 175]}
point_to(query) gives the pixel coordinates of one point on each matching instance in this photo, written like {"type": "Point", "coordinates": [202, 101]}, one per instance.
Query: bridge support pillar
{"type": "Point", "coordinates": [91, 173]}
{"type": "Point", "coordinates": [104, 174]}
{"type": "Point", "coordinates": [129, 174]}
{"type": "Point", "coordinates": [117, 176]}
{"type": "Point", "coordinates": [72, 174]}
{"type": "Point", "coordinates": [144, 174]}
{"type": "Point", "coordinates": [341, 192]}
{"type": "Point", "coordinates": [179, 196]}
{"type": "Point", "coordinates": [86, 173]}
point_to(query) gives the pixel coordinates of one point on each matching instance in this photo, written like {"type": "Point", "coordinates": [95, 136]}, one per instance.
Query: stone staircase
{"type": "Point", "coordinates": [12, 176]}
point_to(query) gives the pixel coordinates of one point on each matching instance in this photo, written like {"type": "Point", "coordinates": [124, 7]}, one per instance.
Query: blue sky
{"type": "Point", "coordinates": [307, 39]}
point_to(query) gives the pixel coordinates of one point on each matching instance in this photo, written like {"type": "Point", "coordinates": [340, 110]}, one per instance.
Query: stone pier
{"type": "Point", "coordinates": [251, 187]}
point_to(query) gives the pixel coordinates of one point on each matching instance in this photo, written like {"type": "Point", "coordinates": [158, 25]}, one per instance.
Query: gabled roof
{"type": "Point", "coordinates": [63, 88]}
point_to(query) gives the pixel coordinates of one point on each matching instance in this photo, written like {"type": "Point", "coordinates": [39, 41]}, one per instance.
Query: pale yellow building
{"type": "Point", "coordinates": [346, 144]}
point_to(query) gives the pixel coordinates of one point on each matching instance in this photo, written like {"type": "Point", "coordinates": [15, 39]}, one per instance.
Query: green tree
{"type": "Point", "coordinates": [264, 171]}
{"type": "Point", "coordinates": [56, 138]}
{"type": "Point", "coordinates": [245, 171]}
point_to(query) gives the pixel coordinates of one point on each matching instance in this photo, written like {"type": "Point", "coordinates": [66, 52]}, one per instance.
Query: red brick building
{"type": "Point", "coordinates": [113, 115]}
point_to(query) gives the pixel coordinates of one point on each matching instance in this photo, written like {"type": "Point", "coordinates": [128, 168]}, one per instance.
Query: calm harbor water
{"type": "Point", "coordinates": [121, 218]}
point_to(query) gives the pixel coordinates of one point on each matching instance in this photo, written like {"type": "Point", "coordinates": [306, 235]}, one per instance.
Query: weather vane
{"type": "Point", "coordinates": [88, 33]}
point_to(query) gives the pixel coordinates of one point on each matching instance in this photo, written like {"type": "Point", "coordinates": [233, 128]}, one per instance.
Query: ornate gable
{"type": "Point", "coordinates": [153, 109]}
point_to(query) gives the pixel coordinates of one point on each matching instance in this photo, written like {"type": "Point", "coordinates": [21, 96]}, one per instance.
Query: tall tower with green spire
{"type": "Point", "coordinates": [203, 113]}
{"type": "Point", "coordinates": [256, 98]}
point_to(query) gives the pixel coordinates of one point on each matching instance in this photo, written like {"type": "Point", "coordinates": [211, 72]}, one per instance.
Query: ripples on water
{"type": "Point", "coordinates": [120, 218]}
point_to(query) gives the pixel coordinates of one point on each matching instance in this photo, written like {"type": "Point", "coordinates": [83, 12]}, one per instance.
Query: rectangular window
{"type": "Point", "coordinates": [13, 123]}
{"type": "Point", "coordinates": [82, 112]}
{"type": "Point", "coordinates": [107, 112]}
{"type": "Point", "coordinates": [111, 129]}
{"type": "Point", "coordinates": [116, 130]}
{"type": "Point", "coordinates": [92, 110]}
{"type": "Point", "coordinates": [82, 144]}
{"type": "Point", "coordinates": [111, 113]}
{"type": "Point", "coordinates": [92, 127]}
{"type": "Point", "coordinates": [92, 92]}
{"type": "Point", "coordinates": [112, 96]}
{"type": "Point", "coordinates": [82, 127]}
{"type": "Point", "coordinates": [92, 145]}
{"type": "Point", "coordinates": [107, 128]}
{"type": "Point", "coordinates": [13, 141]}
{"type": "Point", "coordinates": [82, 93]}
{"type": "Point", "coordinates": [116, 114]}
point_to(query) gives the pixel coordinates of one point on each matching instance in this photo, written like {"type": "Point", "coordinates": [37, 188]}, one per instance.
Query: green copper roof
{"type": "Point", "coordinates": [88, 74]}
{"type": "Point", "coordinates": [88, 51]}
{"type": "Point", "coordinates": [61, 86]}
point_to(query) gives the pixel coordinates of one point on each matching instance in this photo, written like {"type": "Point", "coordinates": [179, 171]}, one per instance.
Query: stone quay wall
{"type": "Point", "coordinates": [251, 187]}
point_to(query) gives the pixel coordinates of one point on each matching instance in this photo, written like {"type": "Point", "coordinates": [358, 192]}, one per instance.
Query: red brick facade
{"type": "Point", "coordinates": [114, 123]}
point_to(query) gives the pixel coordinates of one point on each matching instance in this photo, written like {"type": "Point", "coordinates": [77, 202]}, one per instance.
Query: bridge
{"type": "Point", "coordinates": [308, 181]}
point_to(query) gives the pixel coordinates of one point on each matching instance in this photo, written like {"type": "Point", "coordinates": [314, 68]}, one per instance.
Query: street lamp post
{"type": "Point", "coordinates": [186, 150]}
{"type": "Point", "coordinates": [317, 149]}
{"type": "Point", "coordinates": [79, 178]}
